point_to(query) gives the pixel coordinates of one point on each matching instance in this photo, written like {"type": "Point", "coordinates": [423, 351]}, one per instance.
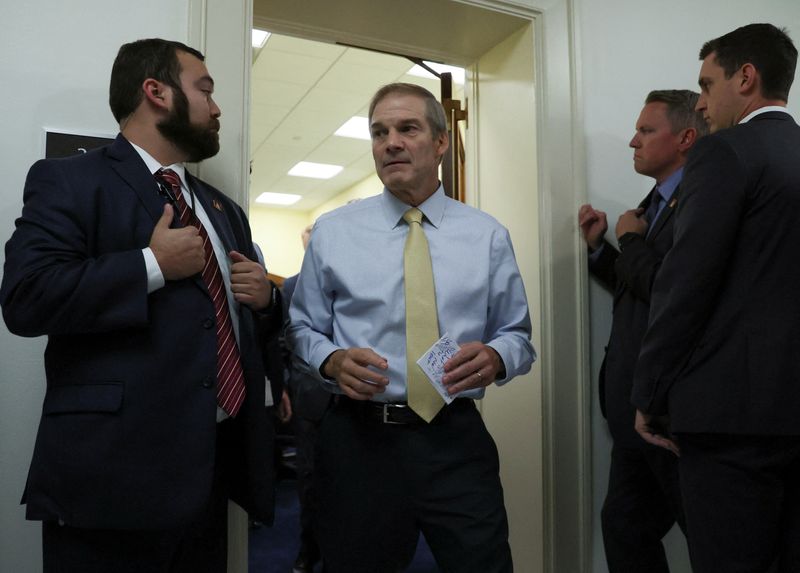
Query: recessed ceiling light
{"type": "Point", "coordinates": [315, 170]}
{"type": "Point", "coordinates": [260, 38]}
{"type": "Point", "coordinates": [278, 198]}
{"type": "Point", "coordinates": [419, 71]}
{"type": "Point", "coordinates": [356, 127]}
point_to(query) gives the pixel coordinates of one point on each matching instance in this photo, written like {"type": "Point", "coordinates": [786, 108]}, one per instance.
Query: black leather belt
{"type": "Point", "coordinates": [393, 413]}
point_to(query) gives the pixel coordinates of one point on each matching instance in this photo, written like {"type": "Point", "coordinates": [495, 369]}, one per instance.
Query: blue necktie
{"type": "Point", "coordinates": [652, 209]}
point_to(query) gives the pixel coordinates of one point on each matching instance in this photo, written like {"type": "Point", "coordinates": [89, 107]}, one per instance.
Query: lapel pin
{"type": "Point", "coordinates": [217, 205]}
{"type": "Point", "coordinates": [673, 202]}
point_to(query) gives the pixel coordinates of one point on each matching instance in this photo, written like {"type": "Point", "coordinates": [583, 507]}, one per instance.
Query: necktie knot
{"type": "Point", "coordinates": [413, 215]}
{"type": "Point", "coordinates": [169, 177]}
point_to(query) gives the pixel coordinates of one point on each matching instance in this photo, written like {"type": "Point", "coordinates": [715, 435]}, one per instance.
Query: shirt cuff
{"type": "Point", "coordinates": [155, 279]}
{"type": "Point", "coordinates": [319, 356]}
{"type": "Point", "coordinates": [504, 354]}
{"type": "Point", "coordinates": [594, 256]}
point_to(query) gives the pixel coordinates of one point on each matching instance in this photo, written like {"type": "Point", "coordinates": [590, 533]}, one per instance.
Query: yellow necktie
{"type": "Point", "coordinates": [422, 326]}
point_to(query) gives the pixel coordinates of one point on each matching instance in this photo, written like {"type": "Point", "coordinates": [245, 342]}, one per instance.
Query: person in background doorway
{"type": "Point", "coordinates": [309, 401]}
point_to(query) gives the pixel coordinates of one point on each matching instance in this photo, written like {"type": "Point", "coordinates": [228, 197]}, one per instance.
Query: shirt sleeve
{"type": "Point", "coordinates": [508, 325]}
{"type": "Point", "coordinates": [155, 278]}
{"type": "Point", "coordinates": [310, 331]}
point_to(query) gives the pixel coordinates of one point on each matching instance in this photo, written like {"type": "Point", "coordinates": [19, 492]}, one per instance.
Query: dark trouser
{"type": "Point", "coordinates": [642, 504]}
{"type": "Point", "coordinates": [306, 433]}
{"type": "Point", "coordinates": [380, 484]}
{"type": "Point", "coordinates": [200, 547]}
{"type": "Point", "coordinates": [742, 500]}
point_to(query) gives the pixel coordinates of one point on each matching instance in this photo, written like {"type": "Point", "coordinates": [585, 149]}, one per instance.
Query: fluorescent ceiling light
{"type": "Point", "coordinates": [356, 127]}
{"type": "Point", "coordinates": [260, 38]}
{"type": "Point", "coordinates": [278, 198]}
{"type": "Point", "coordinates": [419, 71]}
{"type": "Point", "coordinates": [315, 170]}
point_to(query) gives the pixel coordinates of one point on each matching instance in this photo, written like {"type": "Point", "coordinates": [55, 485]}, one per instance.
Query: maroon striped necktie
{"type": "Point", "coordinates": [230, 378]}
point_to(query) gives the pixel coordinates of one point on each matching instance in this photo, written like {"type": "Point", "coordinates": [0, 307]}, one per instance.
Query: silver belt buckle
{"type": "Point", "coordinates": [386, 407]}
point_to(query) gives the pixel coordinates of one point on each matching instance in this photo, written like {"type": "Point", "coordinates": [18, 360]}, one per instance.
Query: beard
{"type": "Point", "coordinates": [198, 142]}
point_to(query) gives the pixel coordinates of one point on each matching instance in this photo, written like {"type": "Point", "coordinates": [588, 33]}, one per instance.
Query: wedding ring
{"type": "Point", "coordinates": [480, 377]}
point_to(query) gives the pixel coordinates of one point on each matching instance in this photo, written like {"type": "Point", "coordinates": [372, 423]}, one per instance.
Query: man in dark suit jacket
{"type": "Point", "coordinates": [721, 356]}
{"type": "Point", "coordinates": [134, 460]}
{"type": "Point", "coordinates": [309, 402]}
{"type": "Point", "coordinates": [643, 499]}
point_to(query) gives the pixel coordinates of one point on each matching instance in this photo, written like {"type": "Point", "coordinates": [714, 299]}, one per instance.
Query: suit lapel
{"type": "Point", "coordinates": [130, 167]}
{"type": "Point", "coordinates": [216, 211]}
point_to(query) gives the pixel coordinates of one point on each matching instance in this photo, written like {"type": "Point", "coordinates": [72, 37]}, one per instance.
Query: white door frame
{"type": "Point", "coordinates": [222, 30]}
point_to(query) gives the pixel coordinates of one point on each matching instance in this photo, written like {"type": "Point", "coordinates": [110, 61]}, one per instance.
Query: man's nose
{"type": "Point", "coordinates": [393, 139]}
{"type": "Point", "coordinates": [701, 103]}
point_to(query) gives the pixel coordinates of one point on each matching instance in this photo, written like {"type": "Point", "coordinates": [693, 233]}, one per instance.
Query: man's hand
{"type": "Point", "coordinates": [353, 370]}
{"type": "Point", "coordinates": [474, 366]}
{"type": "Point", "coordinates": [249, 282]}
{"type": "Point", "coordinates": [284, 408]}
{"type": "Point", "coordinates": [593, 224]}
{"type": "Point", "coordinates": [655, 430]}
{"type": "Point", "coordinates": [631, 221]}
{"type": "Point", "coordinates": [178, 252]}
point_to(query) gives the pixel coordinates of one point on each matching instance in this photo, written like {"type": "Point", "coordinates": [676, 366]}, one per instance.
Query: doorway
{"type": "Point", "coordinates": [530, 187]}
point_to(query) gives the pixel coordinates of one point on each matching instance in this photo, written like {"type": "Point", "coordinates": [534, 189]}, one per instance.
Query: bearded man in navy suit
{"type": "Point", "coordinates": [135, 458]}
{"type": "Point", "coordinates": [721, 356]}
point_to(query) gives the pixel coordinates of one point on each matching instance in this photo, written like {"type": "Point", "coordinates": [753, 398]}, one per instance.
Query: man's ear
{"type": "Point", "coordinates": [442, 143]}
{"type": "Point", "coordinates": [688, 137]}
{"type": "Point", "coordinates": [155, 92]}
{"type": "Point", "coordinates": [748, 78]}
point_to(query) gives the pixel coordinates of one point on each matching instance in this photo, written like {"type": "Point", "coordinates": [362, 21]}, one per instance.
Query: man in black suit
{"type": "Point", "coordinates": [309, 401]}
{"type": "Point", "coordinates": [643, 499]}
{"type": "Point", "coordinates": [721, 356]}
{"type": "Point", "coordinates": [154, 411]}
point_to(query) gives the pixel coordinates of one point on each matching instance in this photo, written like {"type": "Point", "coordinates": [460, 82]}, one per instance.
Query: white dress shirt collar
{"type": "Point", "coordinates": [432, 207]}
{"type": "Point", "coordinates": [764, 109]}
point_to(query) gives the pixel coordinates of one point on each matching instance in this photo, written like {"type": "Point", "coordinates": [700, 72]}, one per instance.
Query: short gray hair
{"type": "Point", "coordinates": [434, 112]}
{"type": "Point", "coordinates": [681, 112]}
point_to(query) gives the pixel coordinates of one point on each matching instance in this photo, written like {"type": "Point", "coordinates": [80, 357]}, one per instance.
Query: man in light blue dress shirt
{"type": "Point", "coordinates": [383, 473]}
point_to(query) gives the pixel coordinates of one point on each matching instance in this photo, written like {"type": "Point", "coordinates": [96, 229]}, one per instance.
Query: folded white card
{"type": "Point", "coordinates": [432, 363]}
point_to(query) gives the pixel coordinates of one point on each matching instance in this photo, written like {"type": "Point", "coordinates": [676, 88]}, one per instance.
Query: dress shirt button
{"type": "Point", "coordinates": [208, 382]}
{"type": "Point", "coordinates": [208, 323]}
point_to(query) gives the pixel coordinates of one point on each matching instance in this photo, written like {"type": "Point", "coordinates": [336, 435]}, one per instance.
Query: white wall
{"type": "Point", "coordinates": [55, 61]}
{"type": "Point", "coordinates": [627, 48]}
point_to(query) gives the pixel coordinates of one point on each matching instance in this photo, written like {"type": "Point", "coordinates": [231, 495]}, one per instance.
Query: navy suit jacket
{"type": "Point", "coordinates": [722, 352]}
{"type": "Point", "coordinates": [128, 433]}
{"type": "Point", "coordinates": [629, 275]}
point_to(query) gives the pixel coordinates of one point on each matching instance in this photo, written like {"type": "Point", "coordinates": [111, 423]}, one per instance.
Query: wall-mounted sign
{"type": "Point", "coordinates": [60, 144]}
